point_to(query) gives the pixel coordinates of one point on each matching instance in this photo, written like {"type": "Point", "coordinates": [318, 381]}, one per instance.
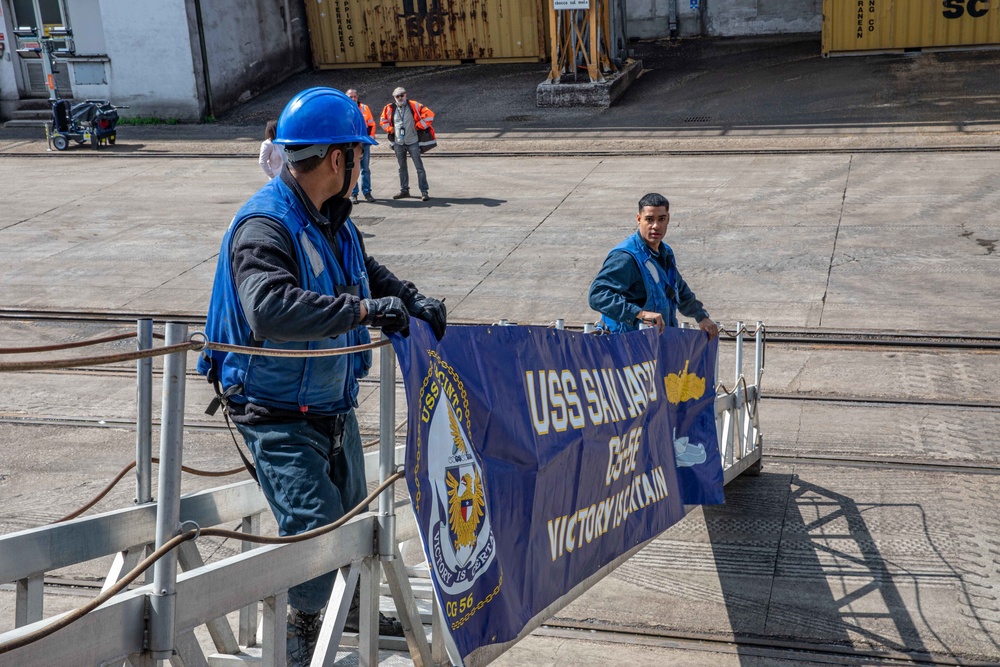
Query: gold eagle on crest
{"type": "Point", "coordinates": [465, 507]}
{"type": "Point", "coordinates": [465, 496]}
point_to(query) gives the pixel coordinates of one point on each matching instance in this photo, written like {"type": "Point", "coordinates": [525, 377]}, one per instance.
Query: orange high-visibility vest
{"type": "Point", "coordinates": [369, 119]}
{"type": "Point", "coordinates": [422, 118]}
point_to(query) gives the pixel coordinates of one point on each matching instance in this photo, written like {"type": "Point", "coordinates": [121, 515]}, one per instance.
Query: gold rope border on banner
{"type": "Point", "coordinates": [482, 603]}
{"type": "Point", "coordinates": [436, 358]}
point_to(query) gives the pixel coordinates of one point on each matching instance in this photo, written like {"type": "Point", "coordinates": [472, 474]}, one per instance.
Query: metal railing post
{"type": "Point", "coordinates": [758, 368]}
{"type": "Point", "coordinates": [387, 453]}
{"type": "Point", "coordinates": [740, 395]}
{"type": "Point", "coordinates": [739, 351]}
{"type": "Point", "coordinates": [144, 415]}
{"type": "Point", "coordinates": [758, 365]}
{"type": "Point", "coordinates": [168, 508]}
{"type": "Point", "coordinates": [717, 355]}
{"type": "Point", "coordinates": [248, 614]}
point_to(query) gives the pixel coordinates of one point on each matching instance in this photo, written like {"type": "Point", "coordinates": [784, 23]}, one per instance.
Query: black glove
{"type": "Point", "coordinates": [388, 313]}
{"type": "Point", "coordinates": [429, 310]}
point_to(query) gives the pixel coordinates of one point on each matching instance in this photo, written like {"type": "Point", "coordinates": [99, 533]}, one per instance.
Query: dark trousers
{"type": "Point", "coordinates": [308, 484]}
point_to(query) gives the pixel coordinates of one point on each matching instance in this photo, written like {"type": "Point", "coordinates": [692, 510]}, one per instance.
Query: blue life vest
{"type": "Point", "coordinates": [324, 385]}
{"type": "Point", "coordinates": [654, 278]}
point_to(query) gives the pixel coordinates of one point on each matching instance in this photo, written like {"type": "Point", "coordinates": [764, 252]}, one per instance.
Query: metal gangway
{"type": "Point", "coordinates": [154, 623]}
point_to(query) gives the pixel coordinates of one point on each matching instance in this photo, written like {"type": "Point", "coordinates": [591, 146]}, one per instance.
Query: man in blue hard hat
{"type": "Point", "coordinates": [293, 274]}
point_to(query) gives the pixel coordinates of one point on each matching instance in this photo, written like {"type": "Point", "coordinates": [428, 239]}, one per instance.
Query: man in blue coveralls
{"type": "Point", "coordinates": [640, 283]}
{"type": "Point", "coordinates": [293, 274]}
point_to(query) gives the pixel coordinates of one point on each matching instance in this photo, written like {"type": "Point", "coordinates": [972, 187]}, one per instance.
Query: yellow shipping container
{"type": "Point", "coordinates": [894, 25]}
{"type": "Point", "coordinates": [369, 32]}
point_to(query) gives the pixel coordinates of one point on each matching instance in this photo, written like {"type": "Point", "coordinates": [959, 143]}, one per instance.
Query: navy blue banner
{"type": "Point", "coordinates": [536, 456]}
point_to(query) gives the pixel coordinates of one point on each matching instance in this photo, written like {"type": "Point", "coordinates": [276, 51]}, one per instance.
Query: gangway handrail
{"type": "Point", "coordinates": [36, 550]}
{"type": "Point", "coordinates": [208, 592]}
{"type": "Point", "coordinates": [268, 572]}
{"type": "Point", "coordinates": [29, 552]}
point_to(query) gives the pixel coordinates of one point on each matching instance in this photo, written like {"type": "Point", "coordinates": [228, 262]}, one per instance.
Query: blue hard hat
{"type": "Point", "coordinates": [322, 116]}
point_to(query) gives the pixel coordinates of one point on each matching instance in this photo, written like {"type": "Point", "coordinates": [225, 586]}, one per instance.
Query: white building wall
{"type": "Point", "coordinates": [88, 71]}
{"type": "Point", "coordinates": [8, 62]}
{"type": "Point", "coordinates": [150, 56]}
{"type": "Point", "coordinates": [723, 18]}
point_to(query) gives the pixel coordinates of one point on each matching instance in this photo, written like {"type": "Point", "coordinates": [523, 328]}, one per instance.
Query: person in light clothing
{"type": "Point", "coordinates": [271, 156]}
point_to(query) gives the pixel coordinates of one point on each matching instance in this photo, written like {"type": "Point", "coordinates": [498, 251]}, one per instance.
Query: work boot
{"type": "Point", "coordinates": [354, 199]}
{"type": "Point", "coordinates": [425, 197]}
{"type": "Point", "coordinates": [302, 633]}
{"type": "Point", "coordinates": [387, 625]}
{"type": "Point", "coordinates": [402, 194]}
{"type": "Point", "coordinates": [369, 198]}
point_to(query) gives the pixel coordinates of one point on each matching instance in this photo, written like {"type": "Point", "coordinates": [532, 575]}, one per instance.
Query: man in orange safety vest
{"type": "Point", "coordinates": [404, 121]}
{"type": "Point", "coordinates": [366, 173]}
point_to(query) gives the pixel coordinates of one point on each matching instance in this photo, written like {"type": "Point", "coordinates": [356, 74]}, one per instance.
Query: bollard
{"type": "Point", "coordinates": [144, 415]}
{"type": "Point", "coordinates": [387, 452]}
{"type": "Point", "coordinates": [168, 504]}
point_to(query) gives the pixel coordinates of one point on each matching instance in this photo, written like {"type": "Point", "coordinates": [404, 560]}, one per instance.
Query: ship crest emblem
{"type": "Point", "coordinates": [462, 545]}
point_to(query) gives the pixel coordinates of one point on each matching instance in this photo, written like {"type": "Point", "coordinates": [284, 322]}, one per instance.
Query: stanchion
{"type": "Point", "coordinates": [739, 352]}
{"type": "Point", "coordinates": [740, 392]}
{"type": "Point", "coordinates": [387, 453]}
{"type": "Point", "coordinates": [168, 505]}
{"type": "Point", "coordinates": [388, 553]}
{"type": "Point", "coordinates": [144, 415]}
{"type": "Point", "coordinates": [758, 365]}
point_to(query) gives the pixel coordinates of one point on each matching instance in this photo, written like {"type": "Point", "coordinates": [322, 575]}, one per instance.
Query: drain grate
{"type": "Point", "coordinates": [697, 119]}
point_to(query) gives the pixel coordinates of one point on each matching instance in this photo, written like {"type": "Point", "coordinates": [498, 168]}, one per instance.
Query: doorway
{"type": "Point", "coordinates": [44, 13]}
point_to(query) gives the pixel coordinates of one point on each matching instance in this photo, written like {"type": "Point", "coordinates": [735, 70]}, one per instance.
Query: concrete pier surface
{"type": "Point", "coordinates": [869, 538]}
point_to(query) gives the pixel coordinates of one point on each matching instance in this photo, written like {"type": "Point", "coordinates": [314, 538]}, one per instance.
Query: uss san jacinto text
{"type": "Point", "coordinates": [561, 400]}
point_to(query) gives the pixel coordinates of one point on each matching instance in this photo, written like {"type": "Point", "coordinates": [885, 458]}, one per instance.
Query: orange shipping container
{"type": "Point", "coordinates": [370, 32]}
{"type": "Point", "coordinates": [894, 25]}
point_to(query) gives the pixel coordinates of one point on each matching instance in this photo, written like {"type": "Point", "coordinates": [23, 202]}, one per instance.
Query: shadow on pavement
{"type": "Point", "coordinates": [440, 202]}
{"type": "Point", "coordinates": [823, 580]}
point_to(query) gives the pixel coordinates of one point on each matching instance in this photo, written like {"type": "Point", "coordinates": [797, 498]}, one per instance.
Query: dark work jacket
{"type": "Point", "coordinates": [291, 277]}
{"type": "Point", "coordinates": [619, 291]}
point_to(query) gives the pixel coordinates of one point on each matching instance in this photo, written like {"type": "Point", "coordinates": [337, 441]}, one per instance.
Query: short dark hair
{"type": "Point", "coordinates": [653, 199]}
{"type": "Point", "coordinates": [308, 164]}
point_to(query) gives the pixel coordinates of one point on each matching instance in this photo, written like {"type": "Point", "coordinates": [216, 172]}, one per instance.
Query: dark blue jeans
{"type": "Point", "coordinates": [307, 485]}
{"type": "Point", "coordinates": [365, 180]}
{"type": "Point", "coordinates": [404, 174]}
